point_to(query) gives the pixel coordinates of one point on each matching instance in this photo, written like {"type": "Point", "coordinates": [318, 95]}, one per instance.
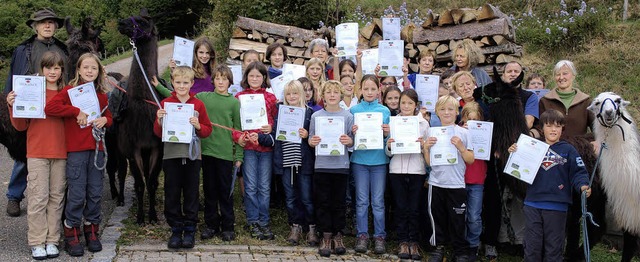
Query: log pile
{"type": "Point", "coordinates": [491, 30]}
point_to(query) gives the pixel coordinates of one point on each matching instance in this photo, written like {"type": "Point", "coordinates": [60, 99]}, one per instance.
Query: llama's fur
{"type": "Point", "coordinates": [619, 166]}
{"type": "Point", "coordinates": [85, 39]}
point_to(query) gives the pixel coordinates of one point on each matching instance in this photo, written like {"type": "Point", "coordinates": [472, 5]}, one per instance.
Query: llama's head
{"type": "Point", "coordinates": [138, 28]}
{"type": "Point", "coordinates": [85, 39]}
{"type": "Point", "coordinates": [608, 108]}
{"type": "Point", "coordinates": [498, 90]}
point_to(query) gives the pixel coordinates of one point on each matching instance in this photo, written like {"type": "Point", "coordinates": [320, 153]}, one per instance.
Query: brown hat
{"type": "Point", "coordinates": [44, 14]}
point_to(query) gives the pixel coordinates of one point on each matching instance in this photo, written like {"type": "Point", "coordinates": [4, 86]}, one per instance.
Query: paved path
{"type": "Point", "coordinates": [123, 66]}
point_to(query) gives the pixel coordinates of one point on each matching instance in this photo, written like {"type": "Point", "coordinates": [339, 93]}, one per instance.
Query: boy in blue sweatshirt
{"type": "Point", "coordinates": [549, 196]}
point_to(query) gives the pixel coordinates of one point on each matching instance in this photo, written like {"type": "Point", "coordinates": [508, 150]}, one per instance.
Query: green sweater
{"type": "Point", "coordinates": [223, 110]}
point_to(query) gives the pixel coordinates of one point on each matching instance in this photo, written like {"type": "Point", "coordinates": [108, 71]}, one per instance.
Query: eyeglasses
{"type": "Point", "coordinates": [388, 83]}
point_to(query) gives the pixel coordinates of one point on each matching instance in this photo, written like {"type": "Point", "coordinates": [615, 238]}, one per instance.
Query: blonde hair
{"type": "Point", "coordinates": [457, 75]}
{"type": "Point", "coordinates": [446, 100]}
{"type": "Point", "coordinates": [474, 54]}
{"type": "Point", "coordinates": [294, 86]}
{"type": "Point", "coordinates": [315, 61]}
{"type": "Point", "coordinates": [99, 81]}
{"type": "Point", "coordinates": [331, 85]}
{"type": "Point", "coordinates": [183, 71]}
{"type": "Point", "coordinates": [471, 107]}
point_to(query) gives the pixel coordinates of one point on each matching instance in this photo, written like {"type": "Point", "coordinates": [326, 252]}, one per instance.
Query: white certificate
{"type": "Point", "coordinates": [296, 71]}
{"type": "Point", "coordinates": [427, 89]}
{"type": "Point", "coordinates": [175, 124]}
{"type": "Point", "coordinates": [347, 39]}
{"type": "Point", "coordinates": [329, 129]}
{"type": "Point", "coordinates": [234, 89]}
{"type": "Point", "coordinates": [391, 57]}
{"type": "Point", "coordinates": [30, 96]}
{"type": "Point", "coordinates": [290, 120]}
{"type": "Point", "coordinates": [183, 51]}
{"type": "Point", "coordinates": [539, 92]}
{"type": "Point", "coordinates": [277, 85]}
{"type": "Point", "coordinates": [85, 98]}
{"type": "Point", "coordinates": [525, 162]}
{"type": "Point", "coordinates": [480, 134]}
{"type": "Point", "coordinates": [369, 61]}
{"type": "Point", "coordinates": [253, 111]}
{"type": "Point", "coordinates": [391, 28]}
{"type": "Point", "coordinates": [236, 71]}
{"type": "Point", "coordinates": [405, 131]}
{"type": "Point", "coordinates": [443, 152]}
{"type": "Point", "coordinates": [369, 134]}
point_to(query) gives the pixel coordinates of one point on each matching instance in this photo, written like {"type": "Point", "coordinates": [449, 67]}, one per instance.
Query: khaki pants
{"type": "Point", "coordinates": [46, 183]}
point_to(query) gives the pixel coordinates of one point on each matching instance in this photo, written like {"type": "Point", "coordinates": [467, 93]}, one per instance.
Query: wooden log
{"type": "Point", "coordinates": [300, 52]}
{"type": "Point", "coordinates": [504, 58]}
{"type": "Point", "coordinates": [433, 45]}
{"type": "Point", "coordinates": [428, 21]}
{"type": "Point", "coordinates": [238, 33]}
{"type": "Point", "coordinates": [412, 53]}
{"type": "Point", "coordinates": [414, 67]}
{"type": "Point", "coordinates": [472, 30]}
{"type": "Point", "coordinates": [452, 44]}
{"type": "Point", "coordinates": [423, 48]}
{"type": "Point", "coordinates": [488, 11]}
{"type": "Point", "coordinates": [378, 23]}
{"type": "Point", "coordinates": [373, 42]}
{"type": "Point", "coordinates": [445, 18]}
{"type": "Point", "coordinates": [297, 42]}
{"type": "Point", "coordinates": [467, 14]}
{"type": "Point", "coordinates": [470, 16]}
{"type": "Point", "coordinates": [479, 43]}
{"type": "Point", "coordinates": [409, 45]}
{"type": "Point", "coordinates": [242, 45]}
{"type": "Point", "coordinates": [270, 40]}
{"type": "Point", "coordinates": [299, 61]}
{"type": "Point", "coordinates": [509, 48]}
{"type": "Point", "coordinates": [281, 41]}
{"type": "Point", "coordinates": [499, 40]}
{"type": "Point", "coordinates": [265, 36]}
{"type": "Point", "coordinates": [485, 40]}
{"type": "Point", "coordinates": [442, 48]}
{"type": "Point", "coordinates": [275, 29]}
{"type": "Point", "coordinates": [406, 33]}
{"type": "Point", "coordinates": [234, 54]}
{"type": "Point", "coordinates": [256, 35]}
{"type": "Point", "coordinates": [368, 30]}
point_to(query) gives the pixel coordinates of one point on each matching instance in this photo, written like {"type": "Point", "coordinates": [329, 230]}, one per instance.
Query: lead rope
{"type": "Point", "coordinates": [583, 202]}
{"type": "Point", "coordinates": [146, 79]}
{"type": "Point", "coordinates": [98, 136]}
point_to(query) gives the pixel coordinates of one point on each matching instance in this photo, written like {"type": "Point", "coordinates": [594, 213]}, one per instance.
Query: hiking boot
{"type": "Point", "coordinates": [325, 245]}
{"type": "Point", "coordinates": [473, 254]}
{"type": "Point", "coordinates": [175, 241]}
{"type": "Point", "coordinates": [189, 237]}
{"type": "Point", "coordinates": [490, 252]}
{"type": "Point", "coordinates": [312, 236]}
{"type": "Point", "coordinates": [437, 255]}
{"type": "Point", "coordinates": [379, 245]}
{"type": "Point", "coordinates": [338, 244]}
{"type": "Point", "coordinates": [52, 250]}
{"type": "Point", "coordinates": [72, 241]}
{"type": "Point", "coordinates": [414, 250]}
{"type": "Point", "coordinates": [362, 244]}
{"type": "Point", "coordinates": [295, 235]}
{"type": "Point", "coordinates": [91, 237]}
{"type": "Point", "coordinates": [208, 233]}
{"type": "Point", "coordinates": [255, 231]}
{"type": "Point", "coordinates": [267, 234]}
{"type": "Point", "coordinates": [403, 251]}
{"type": "Point", "coordinates": [228, 236]}
{"type": "Point", "coordinates": [13, 208]}
{"type": "Point", "coordinates": [38, 252]}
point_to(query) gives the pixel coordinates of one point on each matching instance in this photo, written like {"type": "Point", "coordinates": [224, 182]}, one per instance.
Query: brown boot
{"type": "Point", "coordinates": [325, 245]}
{"type": "Point", "coordinates": [312, 236]}
{"type": "Point", "coordinates": [403, 251]}
{"type": "Point", "coordinates": [91, 236]}
{"type": "Point", "coordinates": [72, 241]}
{"type": "Point", "coordinates": [295, 235]}
{"type": "Point", "coordinates": [338, 245]}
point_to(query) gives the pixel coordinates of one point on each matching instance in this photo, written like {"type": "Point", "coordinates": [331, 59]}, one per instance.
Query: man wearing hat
{"type": "Point", "coordinates": [25, 61]}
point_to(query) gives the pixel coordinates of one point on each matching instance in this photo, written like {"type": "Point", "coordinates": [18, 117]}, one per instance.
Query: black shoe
{"type": "Point", "coordinates": [267, 234]}
{"type": "Point", "coordinates": [13, 208]}
{"type": "Point", "coordinates": [72, 241]}
{"type": "Point", "coordinates": [437, 255]}
{"type": "Point", "coordinates": [228, 236]}
{"type": "Point", "coordinates": [189, 238]}
{"type": "Point", "coordinates": [175, 241]}
{"type": "Point", "coordinates": [208, 233]}
{"type": "Point", "coordinates": [91, 237]}
{"type": "Point", "coordinates": [255, 231]}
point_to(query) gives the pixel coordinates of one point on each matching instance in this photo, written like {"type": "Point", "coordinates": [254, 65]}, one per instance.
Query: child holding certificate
{"type": "Point", "coordinates": [258, 158]}
{"type": "Point", "coordinates": [426, 63]}
{"type": "Point", "coordinates": [406, 177]}
{"type": "Point", "coordinates": [370, 171]}
{"type": "Point", "coordinates": [203, 63]}
{"type": "Point", "coordinates": [219, 156]}
{"type": "Point", "coordinates": [46, 158]}
{"type": "Point", "coordinates": [84, 196]}
{"type": "Point", "coordinates": [315, 73]}
{"type": "Point", "coordinates": [330, 131]}
{"type": "Point", "coordinates": [181, 172]}
{"type": "Point", "coordinates": [549, 196]}
{"type": "Point", "coordinates": [447, 193]}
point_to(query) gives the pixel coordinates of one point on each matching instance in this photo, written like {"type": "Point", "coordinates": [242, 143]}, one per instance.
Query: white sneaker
{"type": "Point", "coordinates": [38, 252]}
{"type": "Point", "coordinates": [52, 251]}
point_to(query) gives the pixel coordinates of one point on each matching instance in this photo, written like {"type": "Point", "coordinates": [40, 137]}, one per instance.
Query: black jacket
{"type": "Point", "coordinates": [21, 60]}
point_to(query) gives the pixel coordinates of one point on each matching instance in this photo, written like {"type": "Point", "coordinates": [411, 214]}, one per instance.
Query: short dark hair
{"type": "Point", "coordinates": [552, 116]}
{"type": "Point", "coordinates": [273, 47]}
{"type": "Point", "coordinates": [263, 71]}
{"type": "Point", "coordinates": [222, 70]}
{"type": "Point", "coordinates": [346, 62]}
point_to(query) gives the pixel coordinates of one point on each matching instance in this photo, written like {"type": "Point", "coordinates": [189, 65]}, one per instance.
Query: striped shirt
{"type": "Point", "coordinates": [291, 154]}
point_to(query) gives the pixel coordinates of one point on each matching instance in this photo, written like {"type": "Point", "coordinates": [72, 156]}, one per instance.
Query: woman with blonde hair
{"type": "Point", "coordinates": [466, 56]}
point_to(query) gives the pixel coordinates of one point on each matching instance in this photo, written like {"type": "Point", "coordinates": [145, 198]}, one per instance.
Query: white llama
{"type": "Point", "coordinates": [619, 164]}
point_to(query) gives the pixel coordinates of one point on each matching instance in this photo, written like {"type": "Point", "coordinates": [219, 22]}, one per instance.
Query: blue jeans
{"type": "Point", "coordinates": [257, 186]}
{"type": "Point", "coordinates": [18, 181]}
{"type": "Point", "coordinates": [370, 181]}
{"type": "Point", "coordinates": [84, 188]}
{"type": "Point", "coordinates": [474, 211]}
{"type": "Point", "coordinates": [298, 197]}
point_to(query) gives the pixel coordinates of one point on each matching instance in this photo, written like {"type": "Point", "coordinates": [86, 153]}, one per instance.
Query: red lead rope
{"type": "Point", "coordinates": [125, 91]}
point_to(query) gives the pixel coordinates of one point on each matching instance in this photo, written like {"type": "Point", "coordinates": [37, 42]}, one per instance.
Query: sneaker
{"type": "Point", "coordinates": [403, 251]}
{"type": "Point", "coordinates": [228, 236]}
{"type": "Point", "coordinates": [490, 252]}
{"type": "Point", "coordinates": [362, 244]}
{"type": "Point", "coordinates": [189, 237]}
{"type": "Point", "coordinates": [13, 208]}
{"type": "Point", "coordinates": [295, 235]}
{"type": "Point", "coordinates": [325, 245]}
{"type": "Point", "coordinates": [208, 233]}
{"type": "Point", "coordinates": [312, 236]}
{"type": "Point", "coordinates": [437, 255]}
{"type": "Point", "coordinates": [414, 250]}
{"type": "Point", "coordinates": [38, 252]}
{"type": "Point", "coordinates": [175, 241]}
{"type": "Point", "coordinates": [52, 251]}
{"type": "Point", "coordinates": [338, 244]}
{"type": "Point", "coordinates": [255, 231]}
{"type": "Point", "coordinates": [72, 241]}
{"type": "Point", "coordinates": [379, 245]}
{"type": "Point", "coordinates": [267, 234]}
{"type": "Point", "coordinates": [91, 237]}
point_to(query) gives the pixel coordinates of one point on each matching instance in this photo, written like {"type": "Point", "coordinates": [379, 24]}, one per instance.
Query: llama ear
{"type": "Point", "coordinates": [496, 76]}
{"type": "Point", "coordinates": [625, 103]}
{"type": "Point", "coordinates": [68, 25]}
{"type": "Point", "coordinates": [86, 26]}
{"type": "Point", "coordinates": [518, 80]}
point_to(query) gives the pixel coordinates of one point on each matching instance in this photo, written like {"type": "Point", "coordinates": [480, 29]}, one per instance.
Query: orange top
{"type": "Point", "coordinates": [45, 137]}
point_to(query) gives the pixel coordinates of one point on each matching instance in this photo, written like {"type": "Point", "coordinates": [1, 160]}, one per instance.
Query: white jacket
{"type": "Point", "coordinates": [409, 163]}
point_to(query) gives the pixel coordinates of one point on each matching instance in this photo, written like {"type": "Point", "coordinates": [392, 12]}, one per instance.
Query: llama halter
{"type": "Point", "coordinates": [618, 114]}
{"type": "Point", "coordinates": [137, 31]}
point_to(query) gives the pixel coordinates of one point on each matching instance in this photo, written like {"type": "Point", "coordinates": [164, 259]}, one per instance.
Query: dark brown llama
{"type": "Point", "coordinates": [85, 39]}
{"type": "Point", "coordinates": [136, 139]}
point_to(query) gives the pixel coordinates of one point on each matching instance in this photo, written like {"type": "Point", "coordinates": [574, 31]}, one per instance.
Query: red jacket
{"type": "Point", "coordinates": [203, 118]}
{"type": "Point", "coordinates": [78, 139]}
{"type": "Point", "coordinates": [270, 101]}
